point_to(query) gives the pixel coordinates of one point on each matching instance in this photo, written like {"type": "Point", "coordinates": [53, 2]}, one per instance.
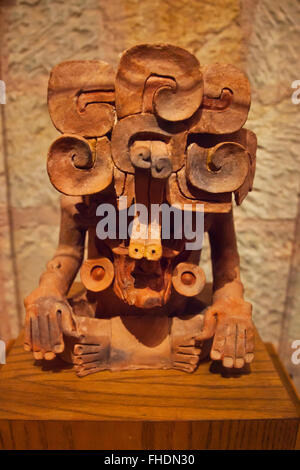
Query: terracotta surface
{"type": "Point", "coordinates": [168, 116]}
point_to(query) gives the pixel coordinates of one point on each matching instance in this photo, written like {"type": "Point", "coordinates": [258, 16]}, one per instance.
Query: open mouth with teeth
{"type": "Point", "coordinates": [149, 274]}
{"type": "Point", "coordinates": [143, 283]}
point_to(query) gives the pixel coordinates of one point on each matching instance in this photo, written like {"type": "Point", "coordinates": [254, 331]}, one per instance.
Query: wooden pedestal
{"type": "Point", "coordinates": [45, 406]}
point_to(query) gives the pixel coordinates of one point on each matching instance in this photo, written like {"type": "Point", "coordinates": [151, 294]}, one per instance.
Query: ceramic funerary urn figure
{"type": "Point", "coordinates": [148, 159]}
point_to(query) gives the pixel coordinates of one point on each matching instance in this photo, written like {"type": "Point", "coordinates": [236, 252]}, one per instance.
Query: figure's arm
{"type": "Point", "coordinates": [225, 257]}
{"type": "Point", "coordinates": [48, 313]}
{"type": "Point", "coordinates": [229, 319]}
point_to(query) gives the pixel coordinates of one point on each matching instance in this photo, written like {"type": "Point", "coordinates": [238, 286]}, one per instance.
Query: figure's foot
{"type": "Point", "coordinates": [186, 351]}
{"type": "Point", "coordinates": [116, 343]}
{"type": "Point", "coordinates": [89, 359]}
{"type": "Point", "coordinates": [186, 354]}
{"type": "Point", "coordinates": [89, 351]}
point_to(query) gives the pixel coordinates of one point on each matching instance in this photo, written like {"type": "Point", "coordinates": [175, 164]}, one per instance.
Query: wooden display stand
{"type": "Point", "coordinates": [45, 406]}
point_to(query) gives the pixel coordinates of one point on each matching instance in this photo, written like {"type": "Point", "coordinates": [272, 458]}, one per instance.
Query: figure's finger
{"type": "Point", "coordinates": [87, 349]}
{"type": "Point", "coordinates": [229, 347]}
{"type": "Point", "coordinates": [217, 350]}
{"type": "Point", "coordinates": [49, 355]}
{"type": "Point", "coordinates": [27, 338]}
{"type": "Point", "coordinates": [86, 366]}
{"type": "Point", "coordinates": [36, 344]}
{"type": "Point", "coordinates": [240, 346]}
{"type": "Point", "coordinates": [186, 358]}
{"type": "Point", "coordinates": [83, 358]}
{"type": "Point", "coordinates": [56, 337]}
{"type": "Point", "coordinates": [184, 366]}
{"type": "Point", "coordinates": [189, 350]}
{"type": "Point", "coordinates": [209, 324]}
{"type": "Point", "coordinates": [249, 346]}
{"type": "Point", "coordinates": [44, 333]}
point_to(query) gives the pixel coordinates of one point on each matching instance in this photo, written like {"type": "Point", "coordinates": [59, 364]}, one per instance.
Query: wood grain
{"type": "Point", "coordinates": [45, 406]}
{"type": "Point", "coordinates": [288, 383]}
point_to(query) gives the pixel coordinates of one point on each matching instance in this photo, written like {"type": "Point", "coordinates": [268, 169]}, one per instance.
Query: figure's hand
{"type": "Point", "coordinates": [47, 318]}
{"type": "Point", "coordinates": [229, 320]}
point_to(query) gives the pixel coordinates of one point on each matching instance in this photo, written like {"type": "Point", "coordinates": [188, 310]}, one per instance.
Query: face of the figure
{"type": "Point", "coordinates": [140, 281]}
{"type": "Point", "coordinates": [143, 283]}
{"type": "Point", "coordinates": [162, 130]}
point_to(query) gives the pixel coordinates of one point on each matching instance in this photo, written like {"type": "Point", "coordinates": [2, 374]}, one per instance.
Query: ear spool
{"type": "Point", "coordinates": [219, 169]}
{"type": "Point", "coordinates": [79, 167]}
{"type": "Point", "coordinates": [188, 279]}
{"type": "Point", "coordinates": [97, 274]}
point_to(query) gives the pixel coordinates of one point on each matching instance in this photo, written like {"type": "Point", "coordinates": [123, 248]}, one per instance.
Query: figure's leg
{"type": "Point", "coordinates": [89, 359]}
{"type": "Point", "coordinates": [135, 342]}
{"type": "Point", "coordinates": [119, 343]}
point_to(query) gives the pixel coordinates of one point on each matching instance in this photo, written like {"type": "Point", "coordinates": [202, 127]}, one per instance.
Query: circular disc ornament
{"type": "Point", "coordinates": [76, 168]}
{"type": "Point", "coordinates": [97, 274]}
{"type": "Point", "coordinates": [188, 279]}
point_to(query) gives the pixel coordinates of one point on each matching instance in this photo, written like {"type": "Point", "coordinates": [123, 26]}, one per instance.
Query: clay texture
{"type": "Point", "coordinates": [161, 130]}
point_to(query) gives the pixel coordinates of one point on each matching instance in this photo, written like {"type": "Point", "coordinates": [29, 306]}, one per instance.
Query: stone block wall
{"type": "Point", "coordinates": [260, 36]}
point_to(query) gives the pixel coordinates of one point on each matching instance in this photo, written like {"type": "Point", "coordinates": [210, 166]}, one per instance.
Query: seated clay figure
{"type": "Point", "coordinates": [160, 132]}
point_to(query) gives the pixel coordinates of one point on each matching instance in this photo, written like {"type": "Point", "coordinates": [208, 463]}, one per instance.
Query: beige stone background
{"type": "Point", "coordinates": [260, 36]}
